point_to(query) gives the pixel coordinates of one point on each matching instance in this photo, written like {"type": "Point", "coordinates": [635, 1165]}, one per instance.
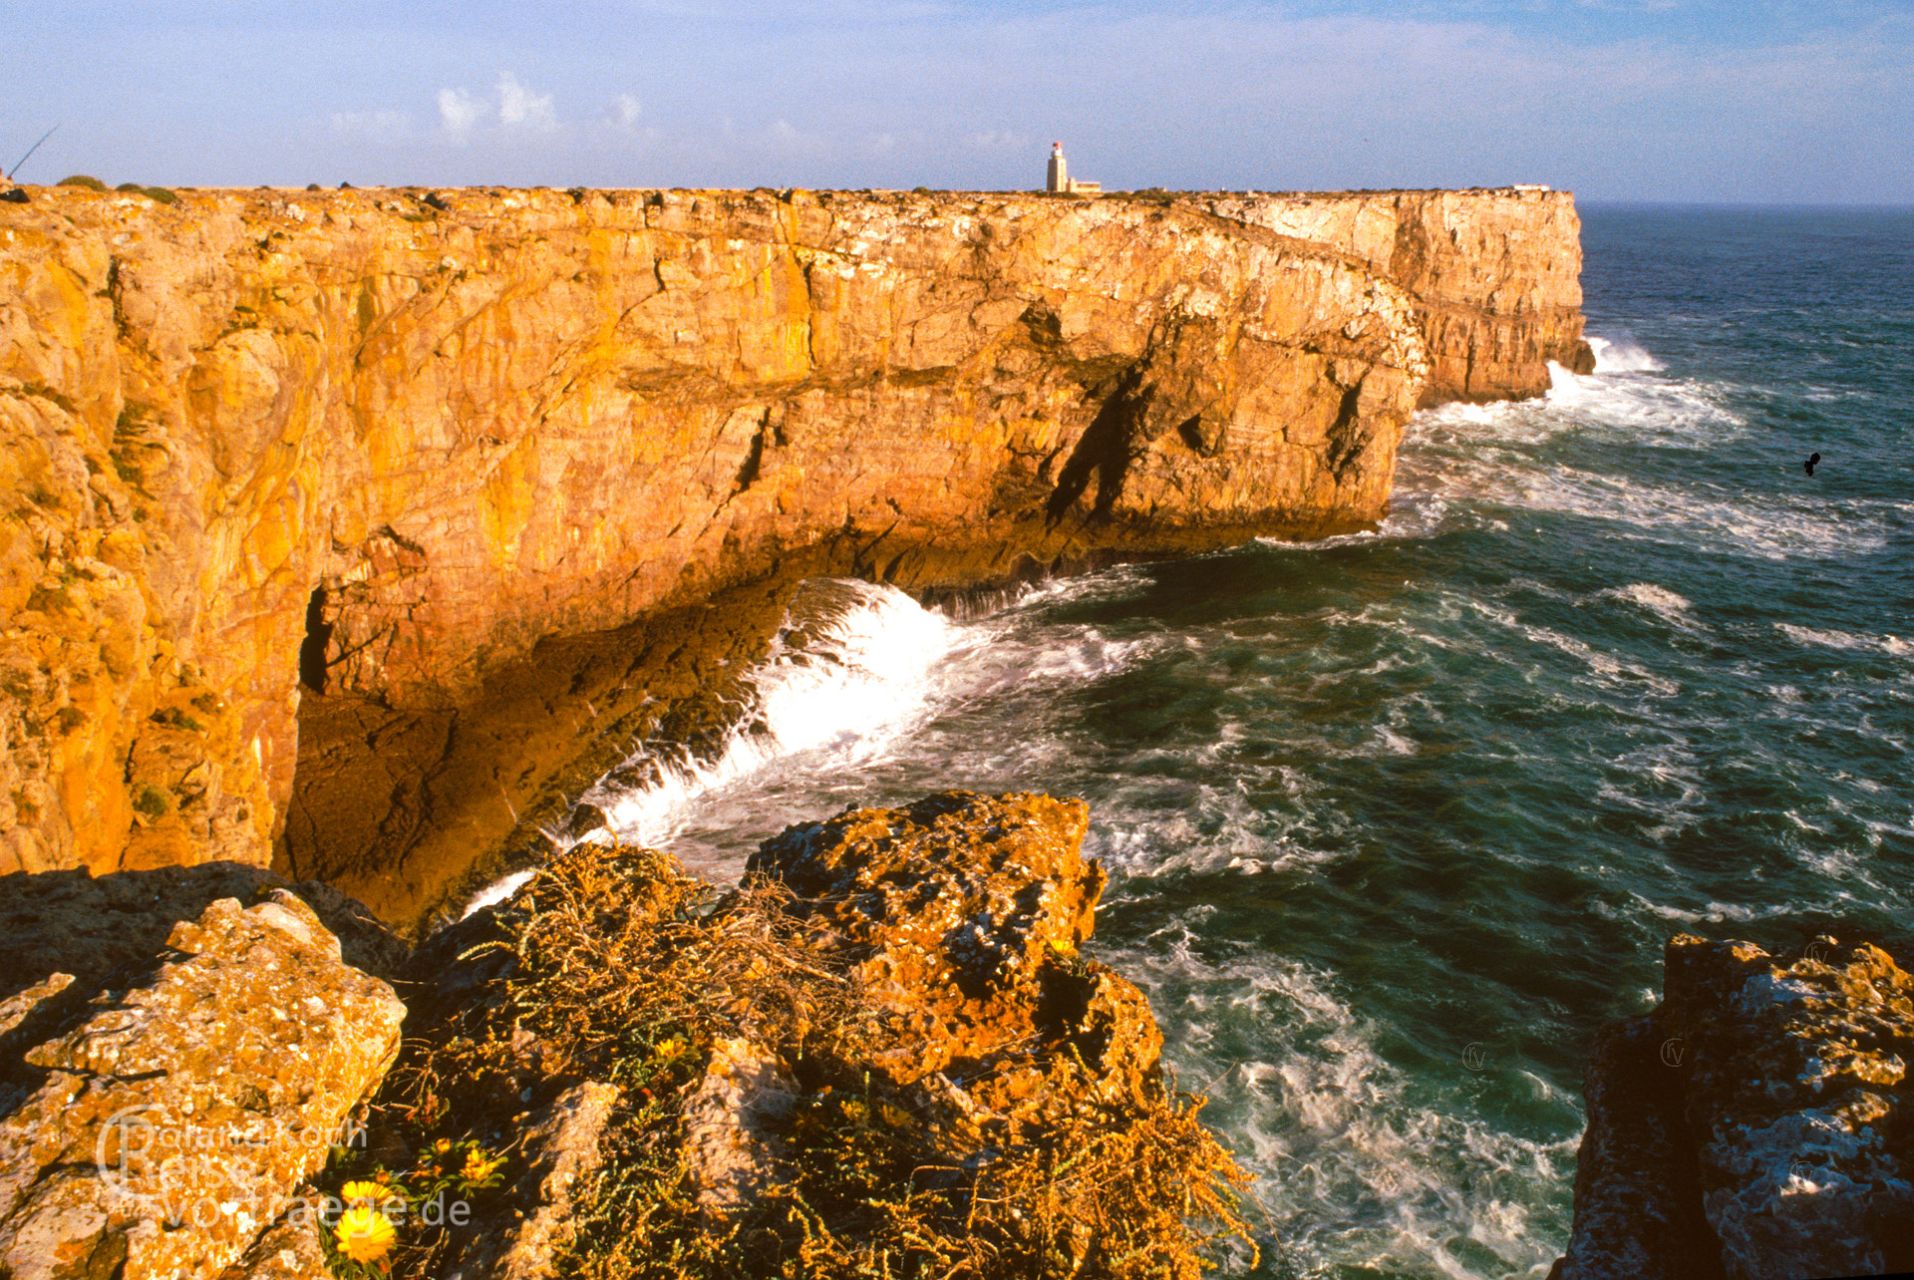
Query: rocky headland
{"type": "Point", "coordinates": [356, 531]}
{"type": "Point", "coordinates": [346, 536]}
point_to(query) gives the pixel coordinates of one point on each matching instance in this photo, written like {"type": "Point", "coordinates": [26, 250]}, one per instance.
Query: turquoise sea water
{"type": "Point", "coordinates": [1396, 823]}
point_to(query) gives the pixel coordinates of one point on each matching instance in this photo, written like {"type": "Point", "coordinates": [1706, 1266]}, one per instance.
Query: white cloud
{"type": "Point", "coordinates": [459, 111]}
{"type": "Point", "coordinates": [787, 138]}
{"type": "Point", "coordinates": [516, 106]}
{"type": "Point", "coordinates": [998, 140]}
{"type": "Point", "coordinates": [624, 111]}
{"type": "Point", "coordinates": [519, 106]}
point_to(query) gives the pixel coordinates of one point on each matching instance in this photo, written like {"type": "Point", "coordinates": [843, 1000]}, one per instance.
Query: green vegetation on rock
{"type": "Point", "coordinates": [741, 1025]}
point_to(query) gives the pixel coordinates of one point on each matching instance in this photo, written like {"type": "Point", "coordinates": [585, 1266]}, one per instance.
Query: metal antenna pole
{"type": "Point", "coordinates": [30, 150]}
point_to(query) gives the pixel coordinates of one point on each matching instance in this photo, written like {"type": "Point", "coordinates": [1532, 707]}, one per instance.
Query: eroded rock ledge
{"type": "Point", "coordinates": [385, 442]}
{"type": "Point", "coordinates": [1759, 1123]}
{"type": "Point", "coordinates": [890, 1051]}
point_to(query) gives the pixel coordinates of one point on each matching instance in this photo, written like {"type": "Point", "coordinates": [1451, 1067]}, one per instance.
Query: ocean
{"type": "Point", "coordinates": [1398, 821]}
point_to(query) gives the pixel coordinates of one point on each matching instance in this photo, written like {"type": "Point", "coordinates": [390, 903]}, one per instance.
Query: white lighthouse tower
{"type": "Point", "coordinates": [1059, 181]}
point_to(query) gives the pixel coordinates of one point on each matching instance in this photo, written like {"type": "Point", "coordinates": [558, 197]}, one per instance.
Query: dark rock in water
{"type": "Point", "coordinates": [1759, 1123]}
{"type": "Point", "coordinates": [1637, 1204]}
{"type": "Point", "coordinates": [585, 820]}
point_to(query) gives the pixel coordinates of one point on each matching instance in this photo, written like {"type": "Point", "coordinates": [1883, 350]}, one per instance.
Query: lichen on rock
{"type": "Point", "coordinates": [157, 1137]}
{"type": "Point", "coordinates": [886, 1053]}
{"type": "Point", "coordinates": [1759, 1123]}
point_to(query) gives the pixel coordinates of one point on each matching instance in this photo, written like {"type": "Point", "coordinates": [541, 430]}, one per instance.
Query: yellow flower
{"type": "Point", "coordinates": [479, 1166]}
{"type": "Point", "coordinates": [1062, 946]}
{"type": "Point", "coordinates": [442, 1146]}
{"type": "Point", "coordinates": [363, 1234]}
{"type": "Point", "coordinates": [362, 1193]}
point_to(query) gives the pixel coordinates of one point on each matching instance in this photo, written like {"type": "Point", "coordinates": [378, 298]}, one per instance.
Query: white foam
{"type": "Point", "coordinates": [848, 672]}
{"type": "Point", "coordinates": [1670, 606]}
{"type": "Point", "coordinates": [1606, 666]}
{"type": "Point", "coordinates": [498, 891]}
{"type": "Point", "coordinates": [1772, 528]}
{"type": "Point", "coordinates": [1656, 599]}
{"type": "Point", "coordinates": [1644, 407]}
{"type": "Point", "coordinates": [1622, 355]}
{"type": "Point", "coordinates": [1349, 1162]}
{"type": "Point", "coordinates": [1893, 646]}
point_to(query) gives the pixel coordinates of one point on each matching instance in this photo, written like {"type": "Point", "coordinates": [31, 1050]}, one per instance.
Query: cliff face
{"type": "Point", "coordinates": [1756, 1123]}
{"type": "Point", "coordinates": [389, 442]}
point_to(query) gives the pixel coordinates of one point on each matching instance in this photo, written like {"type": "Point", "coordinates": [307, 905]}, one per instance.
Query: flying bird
{"type": "Point", "coordinates": [1808, 466]}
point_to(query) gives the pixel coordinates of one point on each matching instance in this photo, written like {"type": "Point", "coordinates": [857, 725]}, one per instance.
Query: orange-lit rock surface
{"type": "Point", "coordinates": [397, 438]}
{"type": "Point", "coordinates": [962, 915]}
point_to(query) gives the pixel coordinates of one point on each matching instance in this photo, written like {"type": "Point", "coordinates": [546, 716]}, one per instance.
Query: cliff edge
{"type": "Point", "coordinates": [334, 459]}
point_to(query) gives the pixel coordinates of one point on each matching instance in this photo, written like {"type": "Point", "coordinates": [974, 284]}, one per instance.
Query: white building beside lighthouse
{"type": "Point", "coordinates": [1059, 182]}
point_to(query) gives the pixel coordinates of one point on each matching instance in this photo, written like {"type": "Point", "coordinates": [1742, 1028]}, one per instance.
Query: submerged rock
{"type": "Point", "coordinates": [1759, 1123]}
{"type": "Point", "coordinates": [161, 1134]}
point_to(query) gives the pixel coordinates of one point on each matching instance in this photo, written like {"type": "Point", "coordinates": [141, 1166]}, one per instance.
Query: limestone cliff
{"type": "Point", "coordinates": [388, 441]}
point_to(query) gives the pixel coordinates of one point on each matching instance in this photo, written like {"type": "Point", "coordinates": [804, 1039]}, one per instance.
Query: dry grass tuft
{"type": "Point", "coordinates": [624, 968]}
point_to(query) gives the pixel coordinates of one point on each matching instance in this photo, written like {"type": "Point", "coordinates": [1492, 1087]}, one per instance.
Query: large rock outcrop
{"type": "Point", "coordinates": [963, 915]}
{"type": "Point", "coordinates": [1758, 1125]}
{"type": "Point", "coordinates": [173, 1120]}
{"type": "Point", "coordinates": [381, 443]}
{"type": "Point", "coordinates": [889, 1050]}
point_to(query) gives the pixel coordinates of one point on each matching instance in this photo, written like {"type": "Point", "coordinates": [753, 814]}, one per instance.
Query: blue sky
{"type": "Point", "coordinates": [1730, 100]}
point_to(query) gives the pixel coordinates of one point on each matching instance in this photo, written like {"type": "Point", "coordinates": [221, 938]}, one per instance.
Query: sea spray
{"type": "Point", "coordinates": [848, 670]}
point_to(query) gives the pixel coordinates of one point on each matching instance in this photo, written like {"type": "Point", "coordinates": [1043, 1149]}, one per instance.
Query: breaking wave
{"type": "Point", "coordinates": [1622, 355]}
{"type": "Point", "coordinates": [849, 670]}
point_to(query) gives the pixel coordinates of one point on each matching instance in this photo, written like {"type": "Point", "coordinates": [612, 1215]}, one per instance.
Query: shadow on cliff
{"type": "Point", "coordinates": [1103, 452]}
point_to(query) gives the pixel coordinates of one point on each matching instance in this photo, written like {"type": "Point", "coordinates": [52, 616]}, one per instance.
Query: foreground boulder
{"type": "Point", "coordinates": [1758, 1123]}
{"type": "Point", "coordinates": [962, 915]}
{"type": "Point", "coordinates": [885, 1053]}
{"type": "Point", "coordinates": [176, 1117]}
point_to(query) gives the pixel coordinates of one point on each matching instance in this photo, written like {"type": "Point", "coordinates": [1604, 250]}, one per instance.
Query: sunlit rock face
{"type": "Point", "coordinates": [174, 1115]}
{"type": "Point", "coordinates": [383, 442]}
